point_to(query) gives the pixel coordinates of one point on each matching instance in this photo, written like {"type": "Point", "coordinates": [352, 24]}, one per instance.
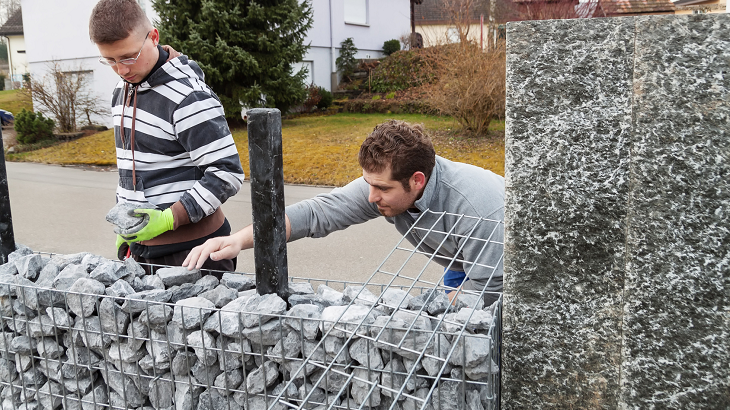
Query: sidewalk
{"type": "Point", "coordinates": [62, 210]}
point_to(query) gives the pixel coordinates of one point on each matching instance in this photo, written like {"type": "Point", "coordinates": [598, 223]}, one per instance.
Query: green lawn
{"type": "Point", "coordinates": [14, 101]}
{"type": "Point", "coordinates": [318, 150]}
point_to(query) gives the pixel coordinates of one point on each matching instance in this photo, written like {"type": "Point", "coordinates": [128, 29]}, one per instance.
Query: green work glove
{"type": "Point", "coordinates": [159, 223]}
{"type": "Point", "coordinates": [121, 248]}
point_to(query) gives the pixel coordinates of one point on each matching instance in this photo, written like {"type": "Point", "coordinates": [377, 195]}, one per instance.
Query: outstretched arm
{"type": "Point", "coordinates": [225, 247]}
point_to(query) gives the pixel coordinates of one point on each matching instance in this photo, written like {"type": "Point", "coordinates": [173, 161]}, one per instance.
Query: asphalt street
{"type": "Point", "coordinates": [62, 209]}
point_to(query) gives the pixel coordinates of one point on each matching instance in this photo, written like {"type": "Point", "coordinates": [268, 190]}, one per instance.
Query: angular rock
{"type": "Point", "coordinates": [305, 319]}
{"type": "Point", "coordinates": [475, 319]}
{"type": "Point", "coordinates": [133, 269]}
{"type": "Point", "coordinates": [185, 291]}
{"type": "Point", "coordinates": [311, 396]}
{"type": "Point", "coordinates": [360, 389]}
{"type": "Point", "coordinates": [300, 288]}
{"type": "Point", "coordinates": [212, 400]}
{"type": "Point", "coordinates": [23, 345]}
{"type": "Point", "coordinates": [262, 377]}
{"type": "Point", "coordinates": [79, 297]}
{"type": "Point", "coordinates": [113, 319]}
{"type": "Point", "coordinates": [344, 320]}
{"type": "Point", "coordinates": [476, 351]}
{"type": "Point", "coordinates": [150, 282]}
{"type": "Point", "coordinates": [336, 350]}
{"type": "Point", "coordinates": [395, 298]}
{"type": "Point", "coordinates": [229, 380]}
{"type": "Point", "coordinates": [193, 312]}
{"type": "Point", "coordinates": [308, 299]}
{"type": "Point", "coordinates": [29, 266]}
{"type": "Point", "coordinates": [49, 395]}
{"type": "Point", "coordinates": [120, 289]}
{"type": "Point", "coordinates": [187, 396]}
{"type": "Point", "coordinates": [238, 281]}
{"type": "Point", "coordinates": [204, 345]}
{"type": "Point", "coordinates": [287, 347]}
{"type": "Point", "coordinates": [232, 354]}
{"type": "Point", "coordinates": [259, 309]}
{"type": "Point", "coordinates": [125, 220]}
{"type": "Point", "coordinates": [19, 252]}
{"type": "Point", "coordinates": [393, 378]}
{"type": "Point", "coordinates": [91, 261]}
{"type": "Point", "coordinates": [366, 353]}
{"type": "Point", "coordinates": [108, 272]}
{"type": "Point", "coordinates": [206, 374]}
{"type": "Point", "coordinates": [330, 296]}
{"type": "Point", "coordinates": [183, 363]}
{"type": "Point", "coordinates": [359, 294]}
{"type": "Point", "coordinates": [47, 348]}
{"type": "Point", "coordinates": [7, 370]}
{"type": "Point", "coordinates": [228, 321]}
{"type": "Point", "coordinates": [137, 302]}
{"type": "Point", "coordinates": [124, 387]}
{"type": "Point", "coordinates": [178, 275]}
{"type": "Point", "coordinates": [68, 276]}
{"type": "Point", "coordinates": [208, 282]}
{"type": "Point", "coordinates": [156, 317]}
{"type": "Point", "coordinates": [160, 350]}
{"type": "Point", "coordinates": [123, 352]}
{"type": "Point", "coordinates": [96, 399]}
{"type": "Point", "coordinates": [220, 296]}
{"type": "Point", "coordinates": [267, 334]}
{"type": "Point", "coordinates": [404, 328]}
{"type": "Point", "coordinates": [162, 392]}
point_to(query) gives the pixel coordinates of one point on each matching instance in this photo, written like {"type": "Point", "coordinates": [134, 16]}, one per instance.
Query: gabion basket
{"type": "Point", "coordinates": [83, 332]}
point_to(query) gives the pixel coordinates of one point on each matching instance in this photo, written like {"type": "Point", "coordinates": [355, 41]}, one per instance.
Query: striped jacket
{"type": "Point", "coordinates": [181, 148]}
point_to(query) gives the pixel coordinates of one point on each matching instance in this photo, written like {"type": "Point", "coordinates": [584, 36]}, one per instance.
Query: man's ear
{"type": "Point", "coordinates": [155, 37]}
{"type": "Point", "coordinates": [418, 180]}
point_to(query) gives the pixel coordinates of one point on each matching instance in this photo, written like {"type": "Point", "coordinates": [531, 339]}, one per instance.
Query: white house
{"type": "Point", "coordinates": [17, 61]}
{"type": "Point", "coordinates": [58, 31]}
{"type": "Point", "coordinates": [370, 23]}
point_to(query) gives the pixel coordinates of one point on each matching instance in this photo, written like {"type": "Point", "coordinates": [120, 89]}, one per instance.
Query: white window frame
{"type": "Point", "coordinates": [356, 3]}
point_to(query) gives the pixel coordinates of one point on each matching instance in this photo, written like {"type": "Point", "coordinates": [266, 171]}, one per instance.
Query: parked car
{"type": "Point", "coordinates": [6, 117]}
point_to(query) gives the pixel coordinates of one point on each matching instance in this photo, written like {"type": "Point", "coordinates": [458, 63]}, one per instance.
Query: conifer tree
{"type": "Point", "coordinates": [246, 48]}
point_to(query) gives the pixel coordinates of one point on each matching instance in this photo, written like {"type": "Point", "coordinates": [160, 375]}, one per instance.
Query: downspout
{"type": "Point", "coordinates": [333, 68]}
{"type": "Point", "coordinates": [10, 60]}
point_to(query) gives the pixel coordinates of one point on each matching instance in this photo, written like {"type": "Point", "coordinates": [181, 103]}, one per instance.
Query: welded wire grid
{"type": "Point", "coordinates": [126, 353]}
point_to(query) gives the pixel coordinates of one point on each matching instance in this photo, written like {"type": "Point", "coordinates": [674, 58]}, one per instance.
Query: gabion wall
{"type": "Point", "coordinates": [83, 332]}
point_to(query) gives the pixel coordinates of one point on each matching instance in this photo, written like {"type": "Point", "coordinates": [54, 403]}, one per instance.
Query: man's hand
{"type": "Point", "coordinates": [122, 247]}
{"type": "Point", "coordinates": [159, 223]}
{"type": "Point", "coordinates": [222, 247]}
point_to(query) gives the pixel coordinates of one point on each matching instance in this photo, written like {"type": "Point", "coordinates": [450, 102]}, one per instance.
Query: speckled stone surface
{"type": "Point", "coordinates": [616, 225]}
{"type": "Point", "coordinates": [677, 310]}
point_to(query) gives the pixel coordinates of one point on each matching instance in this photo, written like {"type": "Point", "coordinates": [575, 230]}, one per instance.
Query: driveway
{"type": "Point", "coordinates": [62, 209]}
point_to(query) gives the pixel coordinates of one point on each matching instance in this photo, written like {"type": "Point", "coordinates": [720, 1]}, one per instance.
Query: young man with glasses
{"type": "Point", "coordinates": [174, 148]}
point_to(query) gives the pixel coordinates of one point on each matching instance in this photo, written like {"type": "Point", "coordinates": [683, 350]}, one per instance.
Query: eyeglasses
{"type": "Point", "coordinates": [125, 61]}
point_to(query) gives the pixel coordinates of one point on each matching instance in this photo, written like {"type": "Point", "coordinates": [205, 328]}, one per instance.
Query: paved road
{"type": "Point", "coordinates": [61, 209]}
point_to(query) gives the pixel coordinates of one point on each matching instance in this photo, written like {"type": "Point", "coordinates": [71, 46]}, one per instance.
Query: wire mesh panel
{"type": "Point", "coordinates": [83, 332]}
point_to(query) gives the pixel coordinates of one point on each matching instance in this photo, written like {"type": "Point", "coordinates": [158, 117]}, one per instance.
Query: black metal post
{"type": "Point", "coordinates": [7, 236]}
{"type": "Point", "coordinates": [267, 201]}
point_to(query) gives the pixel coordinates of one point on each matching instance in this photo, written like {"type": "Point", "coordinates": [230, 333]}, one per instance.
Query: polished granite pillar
{"type": "Point", "coordinates": [617, 225]}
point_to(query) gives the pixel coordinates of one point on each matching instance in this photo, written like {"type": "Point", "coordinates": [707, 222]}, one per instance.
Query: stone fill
{"type": "Point", "coordinates": [114, 336]}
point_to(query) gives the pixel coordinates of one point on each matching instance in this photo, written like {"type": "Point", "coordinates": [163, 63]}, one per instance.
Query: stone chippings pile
{"type": "Point", "coordinates": [85, 333]}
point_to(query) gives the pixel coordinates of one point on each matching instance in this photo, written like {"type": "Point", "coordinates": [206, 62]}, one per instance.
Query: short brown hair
{"type": "Point", "coordinates": [402, 146]}
{"type": "Point", "coordinates": [114, 20]}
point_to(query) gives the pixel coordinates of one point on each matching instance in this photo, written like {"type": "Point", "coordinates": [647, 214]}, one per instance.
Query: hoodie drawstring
{"type": "Point", "coordinates": [131, 134]}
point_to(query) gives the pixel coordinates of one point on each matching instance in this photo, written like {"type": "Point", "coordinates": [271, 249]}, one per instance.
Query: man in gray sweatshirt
{"type": "Point", "coordinates": [420, 193]}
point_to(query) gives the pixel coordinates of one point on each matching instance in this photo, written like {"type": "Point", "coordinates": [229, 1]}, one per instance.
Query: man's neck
{"type": "Point", "coordinates": [162, 57]}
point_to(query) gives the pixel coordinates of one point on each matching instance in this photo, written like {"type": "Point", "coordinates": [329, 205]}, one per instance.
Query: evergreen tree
{"type": "Point", "coordinates": [245, 47]}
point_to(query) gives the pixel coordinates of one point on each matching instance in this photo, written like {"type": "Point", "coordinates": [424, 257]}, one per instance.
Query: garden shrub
{"type": "Point", "coordinates": [390, 96]}
{"type": "Point", "coordinates": [313, 98]}
{"type": "Point", "coordinates": [391, 46]}
{"type": "Point", "coordinates": [404, 69]}
{"type": "Point", "coordinates": [346, 62]}
{"type": "Point", "coordinates": [325, 100]}
{"type": "Point", "coordinates": [33, 127]}
{"type": "Point", "coordinates": [375, 97]}
{"type": "Point", "coordinates": [471, 85]}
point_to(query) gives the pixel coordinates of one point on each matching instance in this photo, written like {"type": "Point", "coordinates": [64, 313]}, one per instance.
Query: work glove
{"type": "Point", "coordinates": [159, 223]}
{"type": "Point", "coordinates": [122, 247]}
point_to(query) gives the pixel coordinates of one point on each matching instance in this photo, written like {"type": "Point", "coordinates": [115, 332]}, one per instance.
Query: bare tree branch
{"type": "Point", "coordinates": [66, 96]}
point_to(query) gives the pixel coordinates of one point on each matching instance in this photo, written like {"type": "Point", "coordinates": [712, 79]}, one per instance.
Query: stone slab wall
{"type": "Point", "coordinates": [617, 249]}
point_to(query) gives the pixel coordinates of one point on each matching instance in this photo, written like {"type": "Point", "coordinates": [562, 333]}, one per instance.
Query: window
{"type": "Point", "coordinates": [356, 11]}
{"type": "Point", "coordinates": [452, 35]}
{"type": "Point", "coordinates": [20, 51]}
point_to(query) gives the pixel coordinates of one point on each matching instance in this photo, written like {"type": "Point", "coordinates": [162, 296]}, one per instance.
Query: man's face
{"type": "Point", "coordinates": [390, 195]}
{"type": "Point", "coordinates": [130, 48]}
